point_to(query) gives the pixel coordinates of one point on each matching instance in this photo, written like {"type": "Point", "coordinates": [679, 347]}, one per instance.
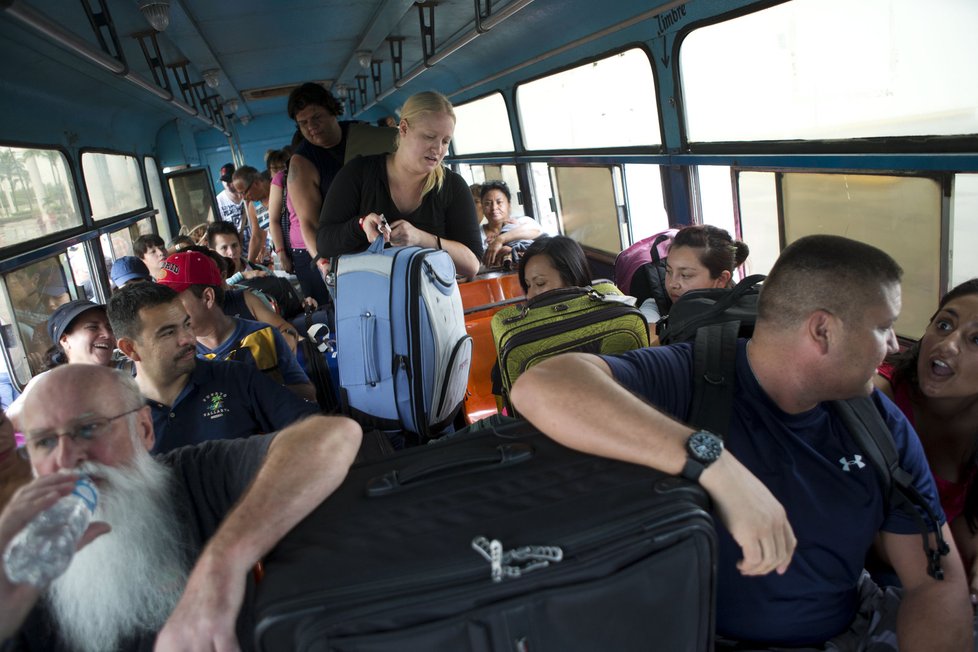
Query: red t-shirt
{"type": "Point", "coordinates": [952, 494]}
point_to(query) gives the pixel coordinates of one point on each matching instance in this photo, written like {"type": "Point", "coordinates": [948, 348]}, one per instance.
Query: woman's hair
{"type": "Point", "coordinates": [54, 357]}
{"type": "Point", "coordinates": [417, 106]}
{"type": "Point", "coordinates": [566, 256]}
{"type": "Point", "coordinates": [495, 184]}
{"type": "Point", "coordinates": [718, 251]}
{"type": "Point", "coordinates": [905, 371]}
{"type": "Point", "coordinates": [278, 157]}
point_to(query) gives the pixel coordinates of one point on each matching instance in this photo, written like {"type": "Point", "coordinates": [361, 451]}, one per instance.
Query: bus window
{"type": "Point", "coordinates": [646, 206]}
{"type": "Point", "coordinates": [113, 183]}
{"type": "Point", "coordinates": [194, 198]}
{"type": "Point", "coordinates": [560, 112]}
{"type": "Point", "coordinates": [587, 206]}
{"type": "Point", "coordinates": [964, 228]}
{"type": "Point", "coordinates": [37, 194]}
{"type": "Point", "coordinates": [156, 195]}
{"type": "Point", "coordinates": [33, 292]}
{"type": "Point", "coordinates": [757, 199]}
{"type": "Point", "coordinates": [771, 75]}
{"type": "Point", "coordinates": [716, 197]}
{"type": "Point", "coordinates": [482, 126]}
{"type": "Point", "coordinates": [900, 215]}
{"type": "Point", "coordinates": [543, 198]}
{"type": "Point", "coordinates": [507, 173]}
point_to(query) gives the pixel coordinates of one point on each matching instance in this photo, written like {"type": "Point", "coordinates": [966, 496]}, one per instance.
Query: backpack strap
{"type": "Point", "coordinates": [873, 436]}
{"type": "Point", "coordinates": [714, 376]}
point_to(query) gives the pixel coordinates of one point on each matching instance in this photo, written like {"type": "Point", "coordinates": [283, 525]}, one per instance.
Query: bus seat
{"type": "Point", "coordinates": [479, 400]}
{"type": "Point", "coordinates": [489, 288]}
{"type": "Point", "coordinates": [363, 139]}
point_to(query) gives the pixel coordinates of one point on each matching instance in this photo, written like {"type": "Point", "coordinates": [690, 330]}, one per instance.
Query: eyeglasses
{"type": "Point", "coordinates": [244, 193]}
{"type": "Point", "coordinates": [43, 443]}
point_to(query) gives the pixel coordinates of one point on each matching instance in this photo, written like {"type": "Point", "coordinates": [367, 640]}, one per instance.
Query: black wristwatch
{"type": "Point", "coordinates": [703, 448]}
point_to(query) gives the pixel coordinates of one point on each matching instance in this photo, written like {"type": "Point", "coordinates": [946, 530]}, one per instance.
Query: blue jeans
{"type": "Point", "coordinates": [310, 280]}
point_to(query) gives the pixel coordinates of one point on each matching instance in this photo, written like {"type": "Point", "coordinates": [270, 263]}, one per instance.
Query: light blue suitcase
{"type": "Point", "coordinates": [402, 348]}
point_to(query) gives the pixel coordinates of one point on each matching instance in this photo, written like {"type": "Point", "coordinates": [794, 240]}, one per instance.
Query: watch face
{"type": "Point", "coordinates": [705, 446]}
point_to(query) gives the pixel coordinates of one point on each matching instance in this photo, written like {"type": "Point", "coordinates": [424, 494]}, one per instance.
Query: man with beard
{"type": "Point", "coordinates": [193, 400]}
{"type": "Point", "coordinates": [174, 537]}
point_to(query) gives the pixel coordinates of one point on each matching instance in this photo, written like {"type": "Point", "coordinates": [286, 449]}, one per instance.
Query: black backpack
{"type": "Point", "coordinates": [714, 379]}
{"type": "Point", "coordinates": [698, 308]}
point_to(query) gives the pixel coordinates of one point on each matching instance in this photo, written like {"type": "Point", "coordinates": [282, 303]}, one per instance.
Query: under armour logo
{"type": "Point", "coordinates": [857, 461]}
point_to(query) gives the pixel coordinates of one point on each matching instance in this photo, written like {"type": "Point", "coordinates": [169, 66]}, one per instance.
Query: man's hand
{"type": "Point", "coordinates": [206, 615]}
{"type": "Point", "coordinates": [754, 517]}
{"type": "Point", "coordinates": [17, 600]}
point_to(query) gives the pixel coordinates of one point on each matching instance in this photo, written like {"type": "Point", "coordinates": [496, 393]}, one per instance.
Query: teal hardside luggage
{"type": "Point", "coordinates": [596, 319]}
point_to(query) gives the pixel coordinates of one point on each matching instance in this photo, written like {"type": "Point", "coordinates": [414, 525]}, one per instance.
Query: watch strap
{"type": "Point", "coordinates": [692, 470]}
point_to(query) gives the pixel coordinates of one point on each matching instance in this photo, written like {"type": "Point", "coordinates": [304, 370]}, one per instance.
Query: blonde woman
{"type": "Point", "coordinates": [408, 196]}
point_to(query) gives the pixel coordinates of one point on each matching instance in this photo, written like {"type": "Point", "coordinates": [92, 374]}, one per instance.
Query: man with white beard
{"type": "Point", "coordinates": [174, 537]}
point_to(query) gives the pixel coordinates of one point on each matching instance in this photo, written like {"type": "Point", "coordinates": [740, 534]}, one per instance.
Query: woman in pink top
{"type": "Point", "coordinates": [935, 384]}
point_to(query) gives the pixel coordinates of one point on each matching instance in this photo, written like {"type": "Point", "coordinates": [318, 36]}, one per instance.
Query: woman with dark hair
{"type": "Point", "coordinates": [551, 263]}
{"type": "Point", "coordinates": [935, 384]}
{"type": "Point", "coordinates": [501, 231]}
{"type": "Point", "coordinates": [81, 333]}
{"type": "Point", "coordinates": [700, 257]}
{"type": "Point", "coordinates": [407, 197]}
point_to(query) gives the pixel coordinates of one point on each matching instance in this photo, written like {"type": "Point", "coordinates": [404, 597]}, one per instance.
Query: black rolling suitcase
{"type": "Point", "coordinates": [501, 540]}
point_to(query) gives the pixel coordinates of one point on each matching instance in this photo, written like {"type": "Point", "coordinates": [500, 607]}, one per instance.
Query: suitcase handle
{"type": "Point", "coordinates": [439, 466]}
{"type": "Point", "coordinates": [368, 335]}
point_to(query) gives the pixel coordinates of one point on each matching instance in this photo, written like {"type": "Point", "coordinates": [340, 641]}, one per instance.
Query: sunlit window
{"type": "Point", "coordinates": [156, 194]}
{"type": "Point", "coordinates": [964, 228]}
{"type": "Point", "coordinates": [606, 103]}
{"type": "Point", "coordinates": [114, 184]}
{"type": "Point", "coordinates": [482, 126]}
{"type": "Point", "coordinates": [37, 195]}
{"type": "Point", "coordinates": [587, 206]}
{"type": "Point", "coordinates": [900, 215]}
{"type": "Point", "coordinates": [829, 69]}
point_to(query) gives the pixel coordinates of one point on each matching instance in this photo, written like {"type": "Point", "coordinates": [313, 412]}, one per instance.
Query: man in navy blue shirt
{"type": "Point", "coordinates": [788, 488]}
{"type": "Point", "coordinates": [193, 400]}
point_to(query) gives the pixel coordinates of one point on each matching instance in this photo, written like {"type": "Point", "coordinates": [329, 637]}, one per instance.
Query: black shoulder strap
{"type": "Point", "coordinates": [873, 436]}
{"type": "Point", "coordinates": [714, 376]}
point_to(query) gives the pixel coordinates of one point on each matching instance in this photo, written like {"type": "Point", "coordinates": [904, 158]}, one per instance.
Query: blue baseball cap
{"type": "Point", "coordinates": [129, 268]}
{"type": "Point", "coordinates": [66, 313]}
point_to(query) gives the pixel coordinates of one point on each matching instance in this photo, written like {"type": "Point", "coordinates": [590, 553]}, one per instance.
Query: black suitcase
{"type": "Point", "coordinates": [499, 540]}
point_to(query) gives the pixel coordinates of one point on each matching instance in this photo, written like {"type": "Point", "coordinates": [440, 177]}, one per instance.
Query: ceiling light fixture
{"type": "Point", "coordinates": [231, 105]}
{"type": "Point", "coordinates": [340, 91]}
{"type": "Point", "coordinates": [211, 77]}
{"type": "Point", "coordinates": [364, 58]}
{"type": "Point", "coordinates": [157, 12]}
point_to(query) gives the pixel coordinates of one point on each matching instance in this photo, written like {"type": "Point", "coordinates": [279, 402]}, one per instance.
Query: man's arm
{"type": "Point", "coordinates": [307, 199]}
{"type": "Point", "coordinates": [257, 240]}
{"type": "Point", "coordinates": [574, 399]}
{"type": "Point", "coordinates": [17, 600]}
{"type": "Point", "coordinates": [934, 615]}
{"type": "Point", "coordinates": [306, 462]}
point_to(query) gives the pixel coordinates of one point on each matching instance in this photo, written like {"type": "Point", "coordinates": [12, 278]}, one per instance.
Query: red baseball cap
{"type": "Point", "coordinates": [186, 268]}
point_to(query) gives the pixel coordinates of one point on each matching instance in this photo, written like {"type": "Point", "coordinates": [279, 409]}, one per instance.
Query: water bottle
{"type": "Point", "coordinates": [42, 551]}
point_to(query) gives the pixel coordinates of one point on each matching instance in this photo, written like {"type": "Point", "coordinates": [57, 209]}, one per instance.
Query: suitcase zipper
{"type": "Point", "coordinates": [588, 545]}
